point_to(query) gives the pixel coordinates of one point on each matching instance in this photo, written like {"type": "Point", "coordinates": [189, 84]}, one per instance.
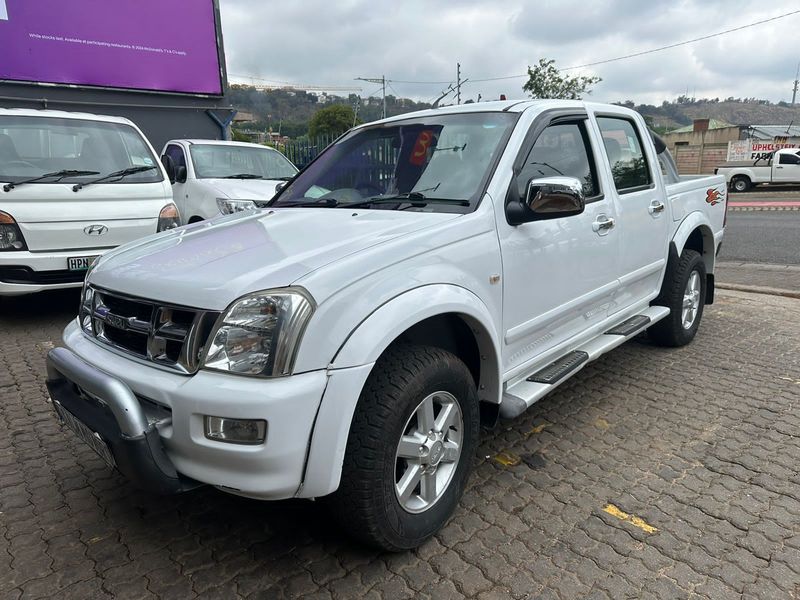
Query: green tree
{"type": "Point", "coordinates": [331, 120]}
{"type": "Point", "coordinates": [545, 81]}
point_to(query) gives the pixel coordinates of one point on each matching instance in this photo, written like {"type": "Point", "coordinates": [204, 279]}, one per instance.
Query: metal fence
{"type": "Point", "coordinates": [303, 151]}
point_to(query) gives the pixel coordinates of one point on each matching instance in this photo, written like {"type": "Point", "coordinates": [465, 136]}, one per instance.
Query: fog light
{"type": "Point", "coordinates": [236, 431]}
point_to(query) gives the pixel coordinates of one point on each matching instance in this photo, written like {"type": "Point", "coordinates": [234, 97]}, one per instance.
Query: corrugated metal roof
{"type": "Point", "coordinates": [712, 124]}
{"type": "Point", "coordinates": [768, 132]}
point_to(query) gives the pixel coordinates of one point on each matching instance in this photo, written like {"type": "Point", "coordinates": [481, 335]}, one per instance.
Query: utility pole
{"type": "Point", "coordinates": [382, 81]}
{"type": "Point", "coordinates": [458, 83]}
{"type": "Point", "coordinates": [796, 85]}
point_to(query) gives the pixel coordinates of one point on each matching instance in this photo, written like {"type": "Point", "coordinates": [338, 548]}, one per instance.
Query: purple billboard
{"type": "Point", "coordinates": [159, 45]}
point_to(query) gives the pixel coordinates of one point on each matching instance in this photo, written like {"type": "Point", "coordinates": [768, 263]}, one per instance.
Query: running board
{"type": "Point", "coordinates": [523, 394]}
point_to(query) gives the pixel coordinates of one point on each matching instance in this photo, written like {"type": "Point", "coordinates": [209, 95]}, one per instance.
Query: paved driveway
{"type": "Point", "coordinates": [653, 473]}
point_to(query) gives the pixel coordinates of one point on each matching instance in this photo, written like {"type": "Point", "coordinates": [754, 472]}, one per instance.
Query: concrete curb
{"type": "Point", "coordinates": [758, 289]}
{"type": "Point", "coordinates": [733, 208]}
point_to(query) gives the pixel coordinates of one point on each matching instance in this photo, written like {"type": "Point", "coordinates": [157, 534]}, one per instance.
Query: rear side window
{"type": "Point", "coordinates": [625, 155]}
{"type": "Point", "coordinates": [562, 150]}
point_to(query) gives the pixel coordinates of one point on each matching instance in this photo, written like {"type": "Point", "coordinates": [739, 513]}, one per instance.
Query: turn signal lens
{"type": "Point", "coordinates": [169, 218]}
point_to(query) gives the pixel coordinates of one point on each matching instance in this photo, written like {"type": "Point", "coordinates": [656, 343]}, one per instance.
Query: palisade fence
{"type": "Point", "coordinates": [303, 151]}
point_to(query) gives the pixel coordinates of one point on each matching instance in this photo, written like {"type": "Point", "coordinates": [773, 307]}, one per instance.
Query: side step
{"type": "Point", "coordinates": [630, 326]}
{"type": "Point", "coordinates": [559, 369]}
{"type": "Point", "coordinates": [518, 397]}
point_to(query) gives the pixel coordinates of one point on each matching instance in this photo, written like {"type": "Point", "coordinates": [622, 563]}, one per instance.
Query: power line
{"type": "Point", "coordinates": [626, 56]}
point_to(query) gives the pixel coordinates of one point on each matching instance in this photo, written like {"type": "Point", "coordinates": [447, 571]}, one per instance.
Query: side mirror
{"type": "Point", "coordinates": [180, 174]}
{"type": "Point", "coordinates": [547, 198]}
{"type": "Point", "coordinates": [169, 167]}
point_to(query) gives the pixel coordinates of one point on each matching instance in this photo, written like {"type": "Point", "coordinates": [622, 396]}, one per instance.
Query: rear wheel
{"type": "Point", "coordinates": [741, 184]}
{"type": "Point", "coordinates": [684, 293]}
{"type": "Point", "coordinates": [409, 453]}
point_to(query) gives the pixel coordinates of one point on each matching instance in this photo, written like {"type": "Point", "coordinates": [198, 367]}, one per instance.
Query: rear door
{"type": "Point", "coordinates": [643, 220]}
{"type": "Point", "coordinates": [787, 168]}
{"type": "Point", "coordinates": [559, 275]}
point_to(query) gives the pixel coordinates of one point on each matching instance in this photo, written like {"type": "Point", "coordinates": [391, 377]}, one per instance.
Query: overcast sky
{"type": "Point", "coordinates": [331, 43]}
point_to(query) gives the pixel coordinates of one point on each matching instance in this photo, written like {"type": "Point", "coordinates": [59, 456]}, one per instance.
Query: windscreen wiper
{"type": "Point", "coordinates": [414, 198]}
{"type": "Point", "coordinates": [59, 175]}
{"type": "Point", "coordinates": [115, 176]}
{"type": "Point", "coordinates": [244, 176]}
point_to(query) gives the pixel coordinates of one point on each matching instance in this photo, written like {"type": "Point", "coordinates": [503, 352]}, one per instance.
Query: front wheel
{"type": "Point", "coordinates": [684, 293]}
{"type": "Point", "coordinates": [409, 453]}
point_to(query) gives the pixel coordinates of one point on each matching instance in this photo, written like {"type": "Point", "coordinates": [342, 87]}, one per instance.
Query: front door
{"type": "Point", "coordinates": [559, 275]}
{"type": "Point", "coordinates": [179, 189]}
{"type": "Point", "coordinates": [788, 168]}
{"type": "Point", "coordinates": [641, 207]}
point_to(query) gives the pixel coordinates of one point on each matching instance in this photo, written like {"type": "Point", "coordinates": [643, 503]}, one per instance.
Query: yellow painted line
{"type": "Point", "coordinates": [507, 459]}
{"type": "Point", "coordinates": [632, 519]}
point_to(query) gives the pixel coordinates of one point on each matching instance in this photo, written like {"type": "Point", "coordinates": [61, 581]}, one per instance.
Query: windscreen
{"type": "Point", "coordinates": [33, 146]}
{"type": "Point", "coordinates": [438, 163]}
{"type": "Point", "coordinates": [246, 162]}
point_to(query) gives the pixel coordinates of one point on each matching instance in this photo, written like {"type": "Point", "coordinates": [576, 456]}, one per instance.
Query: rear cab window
{"type": "Point", "coordinates": [625, 152]}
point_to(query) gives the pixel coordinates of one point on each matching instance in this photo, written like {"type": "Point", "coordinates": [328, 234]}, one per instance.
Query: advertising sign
{"type": "Point", "coordinates": [757, 150]}
{"type": "Point", "coordinates": [158, 45]}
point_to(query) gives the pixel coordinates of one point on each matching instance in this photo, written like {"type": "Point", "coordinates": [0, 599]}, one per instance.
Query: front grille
{"type": "Point", "coordinates": [27, 276]}
{"type": "Point", "coordinates": [168, 335]}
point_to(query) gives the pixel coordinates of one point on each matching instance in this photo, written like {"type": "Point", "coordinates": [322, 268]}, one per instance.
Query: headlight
{"type": "Point", "coordinates": [260, 333]}
{"type": "Point", "coordinates": [228, 206]}
{"type": "Point", "coordinates": [10, 235]}
{"type": "Point", "coordinates": [168, 218]}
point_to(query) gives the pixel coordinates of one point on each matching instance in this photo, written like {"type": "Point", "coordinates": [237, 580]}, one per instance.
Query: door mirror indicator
{"type": "Point", "coordinates": [180, 175]}
{"type": "Point", "coordinates": [169, 167]}
{"type": "Point", "coordinates": [547, 198]}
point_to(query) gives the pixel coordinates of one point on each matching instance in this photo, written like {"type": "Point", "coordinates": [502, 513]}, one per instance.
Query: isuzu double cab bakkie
{"type": "Point", "coordinates": [425, 274]}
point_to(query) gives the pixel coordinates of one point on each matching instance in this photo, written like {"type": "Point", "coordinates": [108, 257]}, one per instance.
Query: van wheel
{"type": "Point", "coordinates": [410, 449]}
{"type": "Point", "coordinates": [685, 295]}
{"type": "Point", "coordinates": [741, 184]}
{"type": "Point", "coordinates": [195, 219]}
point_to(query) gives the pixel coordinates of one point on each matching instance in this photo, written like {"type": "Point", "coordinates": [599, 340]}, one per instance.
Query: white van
{"type": "Point", "coordinates": [73, 185]}
{"type": "Point", "coordinates": [212, 177]}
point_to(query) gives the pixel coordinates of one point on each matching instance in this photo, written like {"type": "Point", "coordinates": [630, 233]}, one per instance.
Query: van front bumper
{"type": "Point", "coordinates": [23, 272]}
{"type": "Point", "coordinates": [123, 400]}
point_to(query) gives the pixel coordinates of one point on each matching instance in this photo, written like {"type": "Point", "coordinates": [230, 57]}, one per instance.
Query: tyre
{"type": "Point", "coordinates": [684, 293]}
{"type": "Point", "coordinates": [410, 448]}
{"type": "Point", "coordinates": [741, 184]}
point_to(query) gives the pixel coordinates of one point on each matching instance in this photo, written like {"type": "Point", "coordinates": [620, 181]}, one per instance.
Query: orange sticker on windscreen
{"type": "Point", "coordinates": [419, 155]}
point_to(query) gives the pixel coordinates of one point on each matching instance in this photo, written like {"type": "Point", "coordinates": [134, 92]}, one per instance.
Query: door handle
{"type": "Point", "coordinates": [603, 223]}
{"type": "Point", "coordinates": [656, 206]}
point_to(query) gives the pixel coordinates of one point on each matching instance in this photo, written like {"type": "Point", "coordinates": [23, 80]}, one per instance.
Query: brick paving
{"type": "Point", "coordinates": [653, 473]}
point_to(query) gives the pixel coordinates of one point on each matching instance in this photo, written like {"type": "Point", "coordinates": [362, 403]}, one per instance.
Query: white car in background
{"type": "Point", "coordinates": [72, 186]}
{"type": "Point", "coordinates": [212, 177]}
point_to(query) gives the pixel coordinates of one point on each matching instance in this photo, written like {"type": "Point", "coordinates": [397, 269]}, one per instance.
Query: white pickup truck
{"type": "Point", "coordinates": [780, 167]}
{"type": "Point", "coordinates": [73, 185]}
{"type": "Point", "coordinates": [425, 274]}
{"type": "Point", "coordinates": [210, 177]}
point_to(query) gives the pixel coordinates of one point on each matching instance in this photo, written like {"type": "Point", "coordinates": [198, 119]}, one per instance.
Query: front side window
{"type": "Point", "coordinates": [789, 159]}
{"type": "Point", "coordinates": [225, 161]}
{"type": "Point", "coordinates": [561, 150]}
{"type": "Point", "coordinates": [625, 155]}
{"type": "Point", "coordinates": [437, 163]}
{"type": "Point", "coordinates": [177, 155]}
{"type": "Point", "coordinates": [33, 146]}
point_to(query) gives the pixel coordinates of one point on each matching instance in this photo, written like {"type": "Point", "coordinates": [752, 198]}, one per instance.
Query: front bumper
{"type": "Point", "coordinates": [110, 409]}
{"type": "Point", "coordinates": [272, 470]}
{"type": "Point", "coordinates": [29, 272]}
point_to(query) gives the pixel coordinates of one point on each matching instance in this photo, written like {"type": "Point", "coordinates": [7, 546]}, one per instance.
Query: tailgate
{"type": "Point", "coordinates": [52, 217]}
